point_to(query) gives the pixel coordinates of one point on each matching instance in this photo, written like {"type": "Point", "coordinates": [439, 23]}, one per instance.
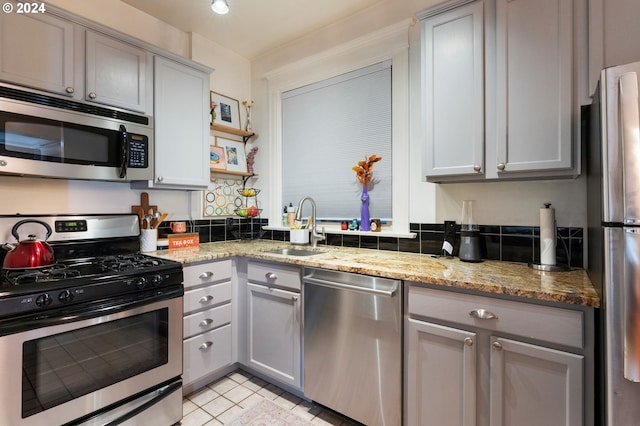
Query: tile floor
{"type": "Point", "coordinates": [223, 400]}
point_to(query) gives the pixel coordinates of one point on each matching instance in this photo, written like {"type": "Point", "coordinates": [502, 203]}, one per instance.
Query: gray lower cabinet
{"type": "Point", "coordinates": [208, 313]}
{"type": "Point", "coordinates": [274, 325]}
{"type": "Point", "coordinates": [475, 360]}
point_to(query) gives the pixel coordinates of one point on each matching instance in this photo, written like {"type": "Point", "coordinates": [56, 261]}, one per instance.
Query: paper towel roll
{"type": "Point", "coordinates": [548, 236]}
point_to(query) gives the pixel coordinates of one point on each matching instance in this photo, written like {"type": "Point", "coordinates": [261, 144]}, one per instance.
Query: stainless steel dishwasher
{"type": "Point", "coordinates": [353, 345]}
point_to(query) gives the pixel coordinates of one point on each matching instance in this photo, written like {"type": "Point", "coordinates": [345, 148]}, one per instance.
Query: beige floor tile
{"type": "Point", "coordinates": [270, 392]}
{"type": "Point", "coordinates": [197, 417]}
{"type": "Point", "coordinates": [223, 385]}
{"type": "Point", "coordinates": [255, 384]}
{"type": "Point", "coordinates": [239, 376]}
{"type": "Point", "coordinates": [218, 406]}
{"type": "Point", "coordinates": [230, 414]}
{"type": "Point", "coordinates": [213, 422]}
{"type": "Point", "coordinates": [252, 400]}
{"type": "Point", "coordinates": [238, 393]}
{"type": "Point", "coordinates": [187, 406]}
{"type": "Point", "coordinates": [203, 396]}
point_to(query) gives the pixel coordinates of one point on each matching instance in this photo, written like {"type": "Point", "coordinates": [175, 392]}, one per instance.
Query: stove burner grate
{"type": "Point", "coordinates": [126, 262]}
{"type": "Point", "coordinates": [50, 273]}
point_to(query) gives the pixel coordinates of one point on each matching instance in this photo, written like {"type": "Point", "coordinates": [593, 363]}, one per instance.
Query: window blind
{"type": "Point", "coordinates": [327, 127]}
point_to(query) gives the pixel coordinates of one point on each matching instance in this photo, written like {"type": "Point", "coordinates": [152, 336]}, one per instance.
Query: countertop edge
{"type": "Point", "coordinates": [489, 277]}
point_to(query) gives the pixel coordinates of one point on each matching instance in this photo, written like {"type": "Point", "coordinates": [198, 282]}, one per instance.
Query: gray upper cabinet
{"type": "Point", "coordinates": [498, 87]}
{"type": "Point", "coordinates": [534, 85]}
{"type": "Point", "coordinates": [454, 91]}
{"type": "Point", "coordinates": [37, 51]}
{"type": "Point", "coordinates": [117, 73]}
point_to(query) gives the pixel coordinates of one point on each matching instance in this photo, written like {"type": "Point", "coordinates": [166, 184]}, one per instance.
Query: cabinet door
{"type": "Point", "coordinates": [37, 51]}
{"type": "Point", "coordinates": [181, 120]}
{"type": "Point", "coordinates": [534, 58]}
{"type": "Point", "coordinates": [454, 91]}
{"type": "Point", "coordinates": [534, 385]}
{"type": "Point", "coordinates": [116, 73]}
{"type": "Point", "coordinates": [273, 334]}
{"type": "Point", "coordinates": [441, 375]}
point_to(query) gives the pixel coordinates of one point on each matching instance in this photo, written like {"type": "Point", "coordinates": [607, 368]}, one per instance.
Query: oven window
{"type": "Point", "coordinates": [62, 367]}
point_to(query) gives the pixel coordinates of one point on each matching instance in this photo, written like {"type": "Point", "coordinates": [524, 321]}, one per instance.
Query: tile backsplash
{"type": "Point", "coordinates": [497, 242]}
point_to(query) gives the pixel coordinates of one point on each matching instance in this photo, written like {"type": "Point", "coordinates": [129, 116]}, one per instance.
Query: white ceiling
{"type": "Point", "coordinates": [252, 27]}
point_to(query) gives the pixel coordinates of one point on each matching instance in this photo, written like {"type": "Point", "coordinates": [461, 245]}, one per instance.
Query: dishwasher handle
{"type": "Point", "coordinates": [343, 286]}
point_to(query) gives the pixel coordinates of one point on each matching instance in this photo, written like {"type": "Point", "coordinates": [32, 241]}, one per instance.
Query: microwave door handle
{"type": "Point", "coordinates": [124, 151]}
{"type": "Point", "coordinates": [630, 140]}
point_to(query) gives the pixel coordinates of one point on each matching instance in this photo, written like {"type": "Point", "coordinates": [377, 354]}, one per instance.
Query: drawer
{"type": "Point", "coordinates": [545, 323]}
{"type": "Point", "coordinates": [205, 273]}
{"type": "Point", "coordinates": [205, 353]}
{"type": "Point", "coordinates": [275, 275]}
{"type": "Point", "coordinates": [206, 320]}
{"type": "Point", "coordinates": [206, 297]}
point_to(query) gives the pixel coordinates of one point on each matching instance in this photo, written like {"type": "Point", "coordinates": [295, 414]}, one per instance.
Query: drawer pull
{"type": "Point", "coordinates": [497, 346]}
{"type": "Point", "coordinates": [206, 299]}
{"type": "Point", "coordinates": [468, 341]}
{"type": "Point", "coordinates": [207, 274]}
{"type": "Point", "coordinates": [294, 298]}
{"type": "Point", "coordinates": [271, 276]}
{"type": "Point", "coordinates": [483, 314]}
{"type": "Point", "coordinates": [205, 346]}
{"type": "Point", "coordinates": [206, 322]}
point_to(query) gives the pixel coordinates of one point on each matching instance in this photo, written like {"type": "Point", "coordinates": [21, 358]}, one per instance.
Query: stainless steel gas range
{"type": "Point", "coordinates": [94, 338]}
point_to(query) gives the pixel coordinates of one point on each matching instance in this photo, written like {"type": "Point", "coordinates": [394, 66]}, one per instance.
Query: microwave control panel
{"type": "Point", "coordinates": [138, 151]}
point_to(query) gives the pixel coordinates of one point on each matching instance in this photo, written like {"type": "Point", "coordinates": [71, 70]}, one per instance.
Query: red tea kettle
{"type": "Point", "coordinates": [29, 253]}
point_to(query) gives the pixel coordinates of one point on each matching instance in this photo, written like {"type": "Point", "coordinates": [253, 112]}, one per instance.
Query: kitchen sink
{"type": "Point", "coordinates": [294, 252]}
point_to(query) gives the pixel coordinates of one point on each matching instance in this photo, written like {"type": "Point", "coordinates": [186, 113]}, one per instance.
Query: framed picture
{"type": "Point", "coordinates": [217, 159]}
{"type": "Point", "coordinates": [227, 110]}
{"type": "Point", "coordinates": [235, 158]}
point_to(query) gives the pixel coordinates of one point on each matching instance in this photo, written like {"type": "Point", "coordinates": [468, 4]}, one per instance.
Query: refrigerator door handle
{"type": "Point", "coordinates": [631, 294]}
{"type": "Point", "coordinates": [630, 141]}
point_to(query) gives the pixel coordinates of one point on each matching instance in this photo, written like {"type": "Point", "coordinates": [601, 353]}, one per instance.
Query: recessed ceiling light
{"type": "Point", "coordinates": [220, 7]}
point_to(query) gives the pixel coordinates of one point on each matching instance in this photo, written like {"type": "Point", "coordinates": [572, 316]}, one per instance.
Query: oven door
{"type": "Point", "coordinates": [81, 369]}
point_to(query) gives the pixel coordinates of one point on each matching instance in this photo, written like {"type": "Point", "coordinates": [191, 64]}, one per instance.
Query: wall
{"type": "Point", "coordinates": [503, 203]}
{"type": "Point", "coordinates": [45, 196]}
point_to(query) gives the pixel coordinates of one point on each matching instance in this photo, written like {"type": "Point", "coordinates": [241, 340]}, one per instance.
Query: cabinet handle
{"type": "Point", "coordinates": [294, 298]}
{"type": "Point", "coordinates": [497, 346]}
{"type": "Point", "coordinates": [271, 276]}
{"type": "Point", "coordinates": [207, 298]}
{"type": "Point", "coordinates": [207, 274]}
{"type": "Point", "coordinates": [70, 90]}
{"type": "Point", "coordinates": [206, 322]}
{"type": "Point", "coordinates": [205, 346]}
{"type": "Point", "coordinates": [501, 167]}
{"type": "Point", "coordinates": [160, 178]}
{"type": "Point", "coordinates": [483, 314]}
{"type": "Point", "coordinates": [468, 341]}
{"type": "Point", "coordinates": [477, 169]}
{"type": "Point", "coordinates": [92, 95]}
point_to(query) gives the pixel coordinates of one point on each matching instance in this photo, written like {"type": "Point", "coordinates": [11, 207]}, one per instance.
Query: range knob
{"type": "Point", "coordinates": [65, 296]}
{"type": "Point", "coordinates": [141, 282]}
{"type": "Point", "coordinates": [156, 280]}
{"type": "Point", "coordinates": [43, 300]}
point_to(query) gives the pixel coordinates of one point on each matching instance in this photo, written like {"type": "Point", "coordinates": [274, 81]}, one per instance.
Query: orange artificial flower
{"type": "Point", "coordinates": [364, 169]}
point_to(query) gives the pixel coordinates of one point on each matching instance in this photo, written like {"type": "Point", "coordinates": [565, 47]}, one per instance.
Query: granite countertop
{"type": "Point", "coordinates": [497, 277]}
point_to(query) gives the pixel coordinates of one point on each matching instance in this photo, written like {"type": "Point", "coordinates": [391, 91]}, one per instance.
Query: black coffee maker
{"type": "Point", "coordinates": [469, 235]}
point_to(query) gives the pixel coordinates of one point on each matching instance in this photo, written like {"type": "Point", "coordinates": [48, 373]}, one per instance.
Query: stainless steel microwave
{"type": "Point", "coordinates": [50, 136]}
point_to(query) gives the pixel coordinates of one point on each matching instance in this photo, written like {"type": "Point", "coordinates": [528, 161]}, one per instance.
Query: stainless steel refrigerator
{"type": "Point", "coordinates": [613, 180]}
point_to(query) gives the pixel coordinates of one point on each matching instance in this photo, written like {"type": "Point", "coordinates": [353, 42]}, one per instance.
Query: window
{"type": "Point", "coordinates": [327, 127]}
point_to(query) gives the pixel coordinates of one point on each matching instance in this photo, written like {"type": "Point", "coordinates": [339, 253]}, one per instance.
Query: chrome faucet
{"type": "Point", "coordinates": [314, 237]}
